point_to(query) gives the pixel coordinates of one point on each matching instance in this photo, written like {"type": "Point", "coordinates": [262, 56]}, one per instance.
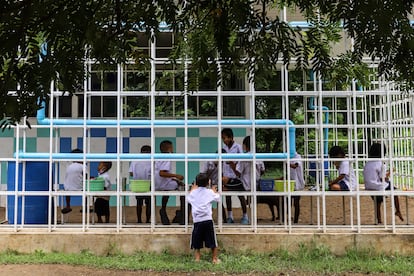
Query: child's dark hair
{"type": "Point", "coordinates": [375, 150]}
{"type": "Point", "coordinates": [76, 151]}
{"type": "Point", "coordinates": [164, 145]}
{"type": "Point", "coordinates": [246, 142]}
{"type": "Point", "coordinates": [336, 151]}
{"type": "Point", "coordinates": [228, 132]}
{"type": "Point", "coordinates": [146, 149]}
{"type": "Point", "coordinates": [108, 165]}
{"type": "Point", "coordinates": [202, 180]}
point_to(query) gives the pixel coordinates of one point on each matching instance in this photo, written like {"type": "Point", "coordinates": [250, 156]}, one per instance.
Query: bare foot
{"type": "Point", "coordinates": [216, 261]}
{"type": "Point", "coordinates": [398, 214]}
{"type": "Point", "coordinates": [197, 260]}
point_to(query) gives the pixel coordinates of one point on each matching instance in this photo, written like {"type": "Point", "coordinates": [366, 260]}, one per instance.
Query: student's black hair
{"type": "Point", "coordinates": [336, 151]}
{"type": "Point", "coordinates": [202, 180]}
{"type": "Point", "coordinates": [228, 132]}
{"type": "Point", "coordinates": [146, 149]}
{"type": "Point", "coordinates": [108, 165]}
{"type": "Point", "coordinates": [375, 150]}
{"type": "Point", "coordinates": [76, 151]}
{"type": "Point", "coordinates": [246, 142]}
{"type": "Point", "coordinates": [164, 144]}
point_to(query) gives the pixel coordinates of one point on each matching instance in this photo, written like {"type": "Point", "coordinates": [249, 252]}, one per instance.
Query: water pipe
{"type": "Point", "coordinates": [42, 120]}
{"type": "Point", "coordinates": [312, 106]}
{"type": "Point", "coordinates": [142, 156]}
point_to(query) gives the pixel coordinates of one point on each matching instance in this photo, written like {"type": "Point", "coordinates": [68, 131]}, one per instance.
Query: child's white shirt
{"type": "Point", "coordinates": [164, 183]}
{"type": "Point", "coordinates": [260, 168]}
{"type": "Point", "coordinates": [107, 179]}
{"type": "Point", "coordinates": [140, 170]}
{"type": "Point", "coordinates": [227, 170]}
{"type": "Point", "coordinates": [74, 177]}
{"type": "Point", "coordinates": [349, 179]}
{"type": "Point", "coordinates": [374, 174]}
{"type": "Point", "coordinates": [201, 200]}
{"type": "Point", "coordinates": [245, 169]}
{"type": "Point", "coordinates": [297, 173]}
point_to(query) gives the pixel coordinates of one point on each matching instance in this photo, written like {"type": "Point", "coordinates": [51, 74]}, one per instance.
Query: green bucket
{"type": "Point", "coordinates": [97, 184]}
{"type": "Point", "coordinates": [140, 186]}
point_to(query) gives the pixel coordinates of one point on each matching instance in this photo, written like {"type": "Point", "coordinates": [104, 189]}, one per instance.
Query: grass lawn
{"type": "Point", "coordinates": [305, 260]}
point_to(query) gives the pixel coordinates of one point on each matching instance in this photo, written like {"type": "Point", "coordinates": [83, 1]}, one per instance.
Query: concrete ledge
{"type": "Point", "coordinates": [129, 243]}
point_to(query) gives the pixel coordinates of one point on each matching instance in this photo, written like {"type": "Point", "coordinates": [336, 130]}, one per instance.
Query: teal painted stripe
{"type": "Point", "coordinates": [3, 172]}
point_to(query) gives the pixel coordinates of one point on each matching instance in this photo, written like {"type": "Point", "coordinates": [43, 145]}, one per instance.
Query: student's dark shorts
{"type": "Point", "coordinates": [203, 232]}
{"type": "Point", "coordinates": [142, 199]}
{"type": "Point", "coordinates": [380, 199]}
{"type": "Point", "coordinates": [343, 186]}
{"type": "Point", "coordinates": [234, 184]}
{"type": "Point", "coordinates": [102, 207]}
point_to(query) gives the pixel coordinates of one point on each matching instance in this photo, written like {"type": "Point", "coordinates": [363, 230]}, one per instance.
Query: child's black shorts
{"type": "Point", "coordinates": [102, 207]}
{"type": "Point", "coordinates": [234, 184]}
{"type": "Point", "coordinates": [142, 199]}
{"type": "Point", "coordinates": [203, 232]}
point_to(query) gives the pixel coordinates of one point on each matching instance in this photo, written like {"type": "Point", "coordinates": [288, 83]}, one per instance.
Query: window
{"type": "Point", "coordinates": [103, 79]}
{"type": "Point", "coordinates": [101, 106]}
{"type": "Point", "coordinates": [163, 42]}
{"type": "Point", "coordinates": [65, 106]}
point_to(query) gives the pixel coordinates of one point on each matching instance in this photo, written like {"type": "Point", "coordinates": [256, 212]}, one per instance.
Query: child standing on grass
{"type": "Point", "coordinates": [346, 181]}
{"type": "Point", "coordinates": [201, 199]}
{"type": "Point", "coordinates": [141, 170]}
{"type": "Point", "coordinates": [377, 178]}
{"type": "Point", "coordinates": [102, 202]}
{"type": "Point", "coordinates": [230, 180]}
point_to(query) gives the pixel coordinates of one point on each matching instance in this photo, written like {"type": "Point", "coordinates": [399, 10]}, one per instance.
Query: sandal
{"type": "Point", "coordinates": [66, 210]}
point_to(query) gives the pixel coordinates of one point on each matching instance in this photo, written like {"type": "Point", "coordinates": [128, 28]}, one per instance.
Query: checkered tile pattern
{"type": "Point", "coordinates": [203, 140]}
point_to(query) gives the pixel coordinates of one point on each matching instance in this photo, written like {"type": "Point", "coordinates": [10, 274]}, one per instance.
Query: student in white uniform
{"type": "Point", "coordinates": [296, 174]}
{"type": "Point", "coordinates": [376, 178]}
{"type": "Point", "coordinates": [141, 170]}
{"type": "Point", "coordinates": [201, 199]}
{"type": "Point", "coordinates": [73, 180]}
{"type": "Point", "coordinates": [166, 180]}
{"type": "Point", "coordinates": [231, 182]}
{"type": "Point", "coordinates": [346, 180]}
{"type": "Point", "coordinates": [102, 202]}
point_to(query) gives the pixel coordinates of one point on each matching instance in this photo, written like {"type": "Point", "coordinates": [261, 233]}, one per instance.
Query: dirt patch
{"type": "Point", "coordinates": [68, 270]}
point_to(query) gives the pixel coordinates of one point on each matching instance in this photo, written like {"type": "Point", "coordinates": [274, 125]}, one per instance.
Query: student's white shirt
{"type": "Point", "coordinates": [374, 174]}
{"type": "Point", "coordinates": [349, 179]}
{"type": "Point", "coordinates": [201, 200]}
{"type": "Point", "coordinates": [140, 170]}
{"type": "Point", "coordinates": [107, 179]}
{"type": "Point", "coordinates": [297, 173]}
{"type": "Point", "coordinates": [74, 177]}
{"type": "Point", "coordinates": [211, 170]}
{"type": "Point", "coordinates": [245, 169]}
{"type": "Point", "coordinates": [260, 168]}
{"type": "Point", "coordinates": [164, 183]}
{"type": "Point", "coordinates": [227, 170]}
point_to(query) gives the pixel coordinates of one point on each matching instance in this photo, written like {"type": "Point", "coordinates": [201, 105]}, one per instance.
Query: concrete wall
{"type": "Point", "coordinates": [129, 243]}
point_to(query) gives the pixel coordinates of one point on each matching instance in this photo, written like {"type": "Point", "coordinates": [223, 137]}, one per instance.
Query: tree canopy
{"type": "Point", "coordinates": [240, 34]}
